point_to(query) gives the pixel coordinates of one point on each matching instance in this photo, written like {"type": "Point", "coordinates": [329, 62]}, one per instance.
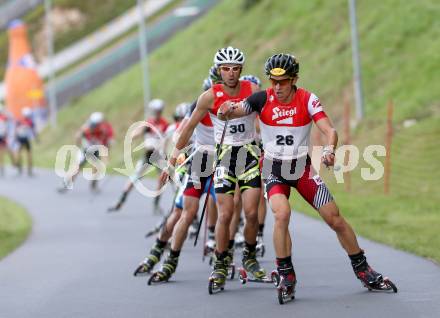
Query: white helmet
{"type": "Point", "coordinates": [156, 105]}
{"type": "Point", "coordinates": [181, 110]}
{"type": "Point", "coordinates": [228, 55]}
{"type": "Point", "coordinates": [26, 112]}
{"type": "Point", "coordinates": [96, 118]}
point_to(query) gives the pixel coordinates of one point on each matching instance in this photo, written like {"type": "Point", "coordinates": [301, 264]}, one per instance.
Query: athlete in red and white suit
{"type": "Point", "coordinates": [238, 138]}
{"type": "Point", "coordinates": [286, 116]}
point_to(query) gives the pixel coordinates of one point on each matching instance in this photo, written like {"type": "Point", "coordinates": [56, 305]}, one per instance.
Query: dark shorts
{"type": "Point", "coordinates": [237, 165]}
{"type": "Point", "coordinates": [24, 142]}
{"type": "Point", "coordinates": [199, 174]}
{"type": "Point", "coordinates": [309, 186]}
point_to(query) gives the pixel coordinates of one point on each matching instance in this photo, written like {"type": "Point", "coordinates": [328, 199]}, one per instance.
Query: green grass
{"type": "Point", "coordinates": [399, 61]}
{"type": "Point", "coordinates": [15, 226]}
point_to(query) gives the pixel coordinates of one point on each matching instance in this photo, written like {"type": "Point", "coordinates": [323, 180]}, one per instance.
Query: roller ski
{"type": "Point", "coordinates": [157, 228]}
{"type": "Point", "coordinates": [229, 261]}
{"type": "Point", "coordinates": [119, 204]}
{"type": "Point", "coordinates": [372, 280]}
{"type": "Point", "coordinates": [251, 270]}
{"type": "Point", "coordinates": [164, 274]}
{"type": "Point", "coordinates": [285, 288]}
{"type": "Point", "coordinates": [150, 261]}
{"type": "Point", "coordinates": [369, 278]}
{"type": "Point", "coordinates": [285, 280]}
{"type": "Point", "coordinates": [217, 279]}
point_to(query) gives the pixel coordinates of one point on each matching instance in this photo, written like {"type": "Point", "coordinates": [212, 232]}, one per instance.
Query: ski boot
{"type": "Point", "coordinates": [217, 279]}
{"type": "Point", "coordinates": [369, 278]}
{"type": "Point", "coordinates": [373, 280]}
{"type": "Point", "coordinates": [150, 261]}
{"type": "Point", "coordinates": [261, 250]}
{"type": "Point", "coordinates": [285, 280]}
{"type": "Point", "coordinates": [164, 274]}
{"type": "Point", "coordinates": [229, 261]}
{"type": "Point", "coordinates": [251, 270]}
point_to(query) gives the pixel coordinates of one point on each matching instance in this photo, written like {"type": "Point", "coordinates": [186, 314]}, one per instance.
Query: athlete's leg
{"type": "Point", "coordinates": [212, 215]}
{"type": "Point", "coordinates": [330, 213]}
{"type": "Point", "coordinates": [29, 157]}
{"type": "Point", "coordinates": [190, 208]}
{"type": "Point", "coordinates": [262, 211]}
{"type": "Point", "coordinates": [233, 228]}
{"type": "Point", "coordinates": [212, 220]}
{"type": "Point", "coordinates": [225, 204]}
{"type": "Point", "coordinates": [2, 162]}
{"type": "Point", "coordinates": [280, 206]}
{"type": "Point", "coordinates": [168, 228]}
{"type": "Point", "coordinates": [18, 158]}
{"type": "Point", "coordinates": [250, 207]}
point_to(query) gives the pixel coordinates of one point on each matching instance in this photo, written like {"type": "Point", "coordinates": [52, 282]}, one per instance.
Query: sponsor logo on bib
{"type": "Point", "coordinates": [283, 116]}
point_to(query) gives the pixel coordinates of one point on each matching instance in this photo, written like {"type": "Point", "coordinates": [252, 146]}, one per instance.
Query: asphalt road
{"type": "Point", "coordinates": [78, 262]}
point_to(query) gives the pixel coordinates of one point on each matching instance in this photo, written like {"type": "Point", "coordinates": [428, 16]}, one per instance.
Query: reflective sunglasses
{"type": "Point", "coordinates": [283, 82]}
{"type": "Point", "coordinates": [234, 69]}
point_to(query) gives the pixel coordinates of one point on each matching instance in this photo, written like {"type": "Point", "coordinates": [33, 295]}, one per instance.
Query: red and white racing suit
{"type": "Point", "coordinates": [285, 132]}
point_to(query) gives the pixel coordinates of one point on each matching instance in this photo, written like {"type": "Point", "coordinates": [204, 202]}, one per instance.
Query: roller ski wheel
{"type": "Point", "coordinates": [383, 285]}
{"type": "Point", "coordinates": [217, 280]}
{"type": "Point", "coordinates": [275, 278]}
{"type": "Point", "coordinates": [114, 208]}
{"type": "Point", "coordinates": [143, 270]}
{"type": "Point", "coordinates": [244, 277]}
{"type": "Point", "coordinates": [374, 281]}
{"type": "Point", "coordinates": [214, 287]}
{"type": "Point", "coordinates": [158, 278]}
{"type": "Point", "coordinates": [285, 293]}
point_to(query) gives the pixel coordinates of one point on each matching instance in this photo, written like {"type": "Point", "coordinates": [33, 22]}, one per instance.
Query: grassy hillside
{"type": "Point", "coordinates": [399, 61]}
{"type": "Point", "coordinates": [93, 19]}
{"type": "Point", "coordinates": [15, 225]}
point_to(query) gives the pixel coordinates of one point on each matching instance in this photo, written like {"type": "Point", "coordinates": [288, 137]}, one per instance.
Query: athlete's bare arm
{"type": "Point", "coordinates": [230, 110]}
{"type": "Point", "coordinates": [204, 104]}
{"type": "Point", "coordinates": [326, 127]}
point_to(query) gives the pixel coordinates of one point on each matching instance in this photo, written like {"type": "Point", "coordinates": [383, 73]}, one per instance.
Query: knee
{"type": "Point", "coordinates": [337, 223]}
{"type": "Point", "coordinates": [282, 217]}
{"type": "Point", "coordinates": [225, 218]}
{"type": "Point", "coordinates": [187, 216]}
{"type": "Point", "coordinates": [251, 216]}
